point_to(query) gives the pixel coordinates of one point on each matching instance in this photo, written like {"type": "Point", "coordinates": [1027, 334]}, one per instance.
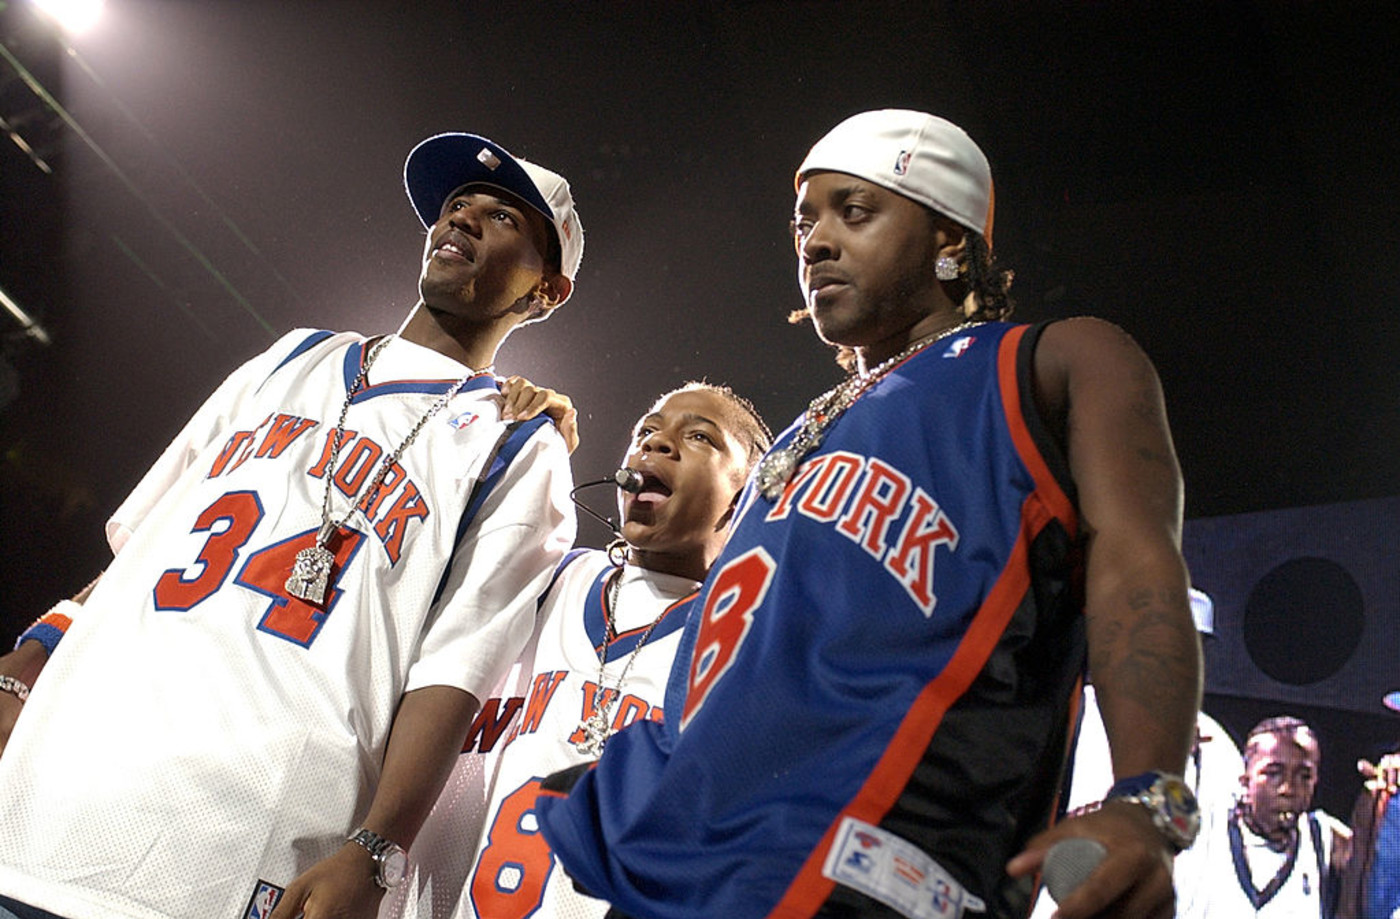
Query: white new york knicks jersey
{"type": "Point", "coordinates": [482, 838]}
{"type": "Point", "coordinates": [199, 737]}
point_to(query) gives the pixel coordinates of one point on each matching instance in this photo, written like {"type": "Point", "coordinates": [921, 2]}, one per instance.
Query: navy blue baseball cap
{"type": "Point", "coordinates": [444, 163]}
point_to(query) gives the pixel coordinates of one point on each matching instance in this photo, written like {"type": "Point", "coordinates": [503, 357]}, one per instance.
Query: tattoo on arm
{"type": "Point", "coordinates": [1148, 655]}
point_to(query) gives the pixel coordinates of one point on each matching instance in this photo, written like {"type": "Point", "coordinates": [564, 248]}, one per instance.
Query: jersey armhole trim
{"type": "Point", "coordinates": [1037, 449]}
{"type": "Point", "coordinates": [306, 344]}
{"type": "Point", "coordinates": [507, 448]}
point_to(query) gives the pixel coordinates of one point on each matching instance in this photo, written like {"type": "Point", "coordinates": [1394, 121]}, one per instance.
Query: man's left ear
{"type": "Point", "coordinates": [553, 290]}
{"type": "Point", "coordinates": [955, 247]}
{"type": "Point", "coordinates": [547, 295]}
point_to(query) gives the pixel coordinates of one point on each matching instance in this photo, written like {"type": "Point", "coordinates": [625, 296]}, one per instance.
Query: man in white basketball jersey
{"type": "Point", "coordinates": [607, 632]}
{"type": "Point", "coordinates": [1272, 854]}
{"type": "Point", "coordinates": [336, 559]}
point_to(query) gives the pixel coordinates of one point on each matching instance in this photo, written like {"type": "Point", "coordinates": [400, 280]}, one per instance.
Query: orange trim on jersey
{"type": "Point", "coordinates": [608, 613]}
{"type": "Point", "coordinates": [887, 780]}
{"type": "Point", "coordinates": [603, 605]}
{"type": "Point", "coordinates": [426, 381]}
{"type": "Point", "coordinates": [659, 619]}
{"type": "Point", "coordinates": [1047, 487]}
{"type": "Point", "coordinates": [810, 889]}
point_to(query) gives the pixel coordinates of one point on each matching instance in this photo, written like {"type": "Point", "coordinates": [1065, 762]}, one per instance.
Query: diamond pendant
{"type": "Point", "coordinates": [774, 473]}
{"type": "Point", "coordinates": [595, 734]}
{"type": "Point", "coordinates": [311, 573]}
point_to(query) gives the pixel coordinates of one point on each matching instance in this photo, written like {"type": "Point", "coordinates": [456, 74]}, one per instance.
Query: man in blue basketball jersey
{"type": "Point", "coordinates": [873, 698]}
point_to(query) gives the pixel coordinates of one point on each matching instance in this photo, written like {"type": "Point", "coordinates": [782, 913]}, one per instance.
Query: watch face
{"type": "Point", "coordinates": [393, 867]}
{"type": "Point", "coordinates": [1180, 810]}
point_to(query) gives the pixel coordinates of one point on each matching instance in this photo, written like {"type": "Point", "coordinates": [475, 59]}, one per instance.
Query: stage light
{"type": "Point", "coordinates": [28, 323]}
{"type": "Point", "coordinates": [74, 16]}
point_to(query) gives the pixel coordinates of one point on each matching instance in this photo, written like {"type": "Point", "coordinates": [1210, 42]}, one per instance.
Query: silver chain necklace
{"type": "Point", "coordinates": [777, 468]}
{"type": "Point", "coordinates": [597, 728]}
{"type": "Point", "coordinates": [311, 571]}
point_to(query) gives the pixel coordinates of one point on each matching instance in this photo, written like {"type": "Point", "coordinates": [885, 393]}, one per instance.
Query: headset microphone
{"type": "Point", "coordinates": [629, 480]}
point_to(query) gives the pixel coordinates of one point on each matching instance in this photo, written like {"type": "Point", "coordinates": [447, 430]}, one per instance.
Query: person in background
{"type": "Point", "coordinates": [1272, 855]}
{"type": "Point", "coordinates": [1371, 882]}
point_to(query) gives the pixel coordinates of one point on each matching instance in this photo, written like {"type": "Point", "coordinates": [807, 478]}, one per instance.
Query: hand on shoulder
{"type": "Point", "coordinates": [524, 400]}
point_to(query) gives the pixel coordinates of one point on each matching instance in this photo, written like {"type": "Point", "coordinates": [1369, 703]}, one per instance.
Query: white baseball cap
{"type": "Point", "coordinates": [1202, 610]}
{"type": "Point", "coordinates": [444, 163]}
{"type": "Point", "coordinates": [920, 156]}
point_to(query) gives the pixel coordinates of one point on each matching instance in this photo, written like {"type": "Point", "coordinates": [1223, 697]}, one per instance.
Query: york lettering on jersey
{"type": "Point", "coordinates": [629, 709]}
{"type": "Point", "coordinates": [880, 509]}
{"type": "Point", "coordinates": [358, 459]}
{"type": "Point", "coordinates": [522, 715]}
{"type": "Point", "coordinates": [391, 506]}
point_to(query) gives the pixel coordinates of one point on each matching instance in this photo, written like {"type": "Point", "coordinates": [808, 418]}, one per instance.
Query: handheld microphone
{"type": "Point", "coordinates": [1068, 863]}
{"type": "Point", "coordinates": [629, 480]}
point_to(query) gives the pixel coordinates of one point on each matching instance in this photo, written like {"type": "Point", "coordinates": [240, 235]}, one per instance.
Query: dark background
{"type": "Point", "coordinates": [1216, 177]}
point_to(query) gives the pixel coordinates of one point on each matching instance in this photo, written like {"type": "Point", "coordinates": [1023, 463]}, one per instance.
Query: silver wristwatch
{"type": "Point", "coordinates": [390, 859]}
{"type": "Point", "coordinates": [1168, 799]}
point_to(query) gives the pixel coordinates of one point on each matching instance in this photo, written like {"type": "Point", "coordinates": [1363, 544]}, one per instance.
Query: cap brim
{"type": "Point", "coordinates": [440, 165]}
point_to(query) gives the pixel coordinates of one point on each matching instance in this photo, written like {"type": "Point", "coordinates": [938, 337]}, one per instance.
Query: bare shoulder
{"type": "Point", "coordinates": [1101, 394]}
{"type": "Point", "coordinates": [1081, 360]}
{"type": "Point", "coordinates": [1086, 357]}
{"type": "Point", "coordinates": [1088, 341]}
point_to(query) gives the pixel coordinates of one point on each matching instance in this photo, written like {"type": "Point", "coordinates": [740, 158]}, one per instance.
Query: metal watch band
{"type": "Point", "coordinates": [390, 859]}
{"type": "Point", "coordinates": [1168, 800]}
{"type": "Point", "coordinates": [17, 688]}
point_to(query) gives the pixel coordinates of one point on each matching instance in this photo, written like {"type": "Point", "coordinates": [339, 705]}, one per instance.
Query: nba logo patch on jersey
{"type": "Point", "coordinates": [901, 163]}
{"type": "Point", "coordinates": [462, 420]}
{"type": "Point", "coordinates": [264, 898]}
{"type": "Point", "coordinates": [959, 346]}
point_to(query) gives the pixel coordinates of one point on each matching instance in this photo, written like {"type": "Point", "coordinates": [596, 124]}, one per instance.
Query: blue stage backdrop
{"type": "Point", "coordinates": [1307, 603]}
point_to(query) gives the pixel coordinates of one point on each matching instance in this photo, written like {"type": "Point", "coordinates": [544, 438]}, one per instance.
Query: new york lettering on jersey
{"type": "Point", "coordinates": [250, 459]}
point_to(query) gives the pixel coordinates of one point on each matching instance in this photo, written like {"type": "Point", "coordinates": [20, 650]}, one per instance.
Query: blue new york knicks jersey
{"type": "Point", "coordinates": [872, 698]}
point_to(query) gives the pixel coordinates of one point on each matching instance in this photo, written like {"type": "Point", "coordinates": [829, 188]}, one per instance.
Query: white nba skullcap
{"type": "Point", "coordinates": [920, 156]}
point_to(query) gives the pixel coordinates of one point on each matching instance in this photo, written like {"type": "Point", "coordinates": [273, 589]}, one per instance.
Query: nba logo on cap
{"type": "Point", "coordinates": [901, 163]}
